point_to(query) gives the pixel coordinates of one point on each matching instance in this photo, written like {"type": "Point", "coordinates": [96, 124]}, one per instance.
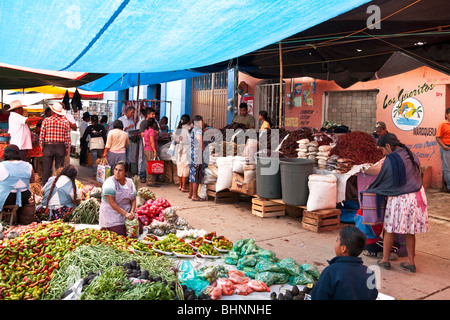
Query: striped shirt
{"type": "Point", "coordinates": [55, 129]}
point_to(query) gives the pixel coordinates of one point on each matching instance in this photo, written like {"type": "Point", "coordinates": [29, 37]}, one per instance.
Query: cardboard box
{"type": "Point", "coordinates": [238, 185]}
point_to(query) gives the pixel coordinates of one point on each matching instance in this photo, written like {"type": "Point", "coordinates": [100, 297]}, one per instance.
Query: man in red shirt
{"type": "Point", "coordinates": [54, 140]}
{"type": "Point", "coordinates": [443, 138]}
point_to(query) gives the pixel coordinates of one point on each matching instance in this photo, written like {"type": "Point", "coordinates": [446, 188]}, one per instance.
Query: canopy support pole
{"type": "Point", "coordinates": [281, 86]}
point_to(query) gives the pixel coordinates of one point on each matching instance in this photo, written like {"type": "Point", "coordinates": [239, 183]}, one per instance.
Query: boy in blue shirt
{"type": "Point", "coordinates": [346, 278]}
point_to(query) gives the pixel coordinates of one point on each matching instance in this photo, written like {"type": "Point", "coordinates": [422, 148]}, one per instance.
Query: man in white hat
{"type": "Point", "coordinates": [54, 139]}
{"type": "Point", "coordinates": [18, 128]}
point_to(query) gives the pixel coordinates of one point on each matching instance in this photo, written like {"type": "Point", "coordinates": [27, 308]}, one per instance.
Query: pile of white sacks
{"type": "Point", "coordinates": [311, 150]}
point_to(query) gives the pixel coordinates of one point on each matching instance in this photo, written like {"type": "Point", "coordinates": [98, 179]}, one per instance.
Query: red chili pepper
{"type": "Point", "coordinates": [41, 239]}
{"type": "Point", "coordinates": [55, 234]}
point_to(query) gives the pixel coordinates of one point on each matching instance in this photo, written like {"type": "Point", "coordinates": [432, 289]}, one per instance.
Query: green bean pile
{"type": "Point", "coordinates": [83, 259]}
{"type": "Point", "coordinates": [113, 284]}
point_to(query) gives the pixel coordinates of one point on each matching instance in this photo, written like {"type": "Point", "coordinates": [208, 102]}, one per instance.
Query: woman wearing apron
{"type": "Point", "coordinates": [118, 200]}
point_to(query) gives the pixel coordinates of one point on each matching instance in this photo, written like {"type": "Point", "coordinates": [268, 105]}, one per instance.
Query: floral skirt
{"type": "Point", "coordinates": [407, 213]}
{"type": "Point", "coordinates": [52, 214]}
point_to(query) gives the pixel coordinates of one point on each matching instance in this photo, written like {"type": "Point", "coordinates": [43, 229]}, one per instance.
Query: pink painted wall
{"type": "Point", "coordinates": [430, 87]}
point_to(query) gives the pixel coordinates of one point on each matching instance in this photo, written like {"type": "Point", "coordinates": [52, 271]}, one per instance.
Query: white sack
{"type": "Point", "coordinates": [224, 173]}
{"type": "Point", "coordinates": [322, 192]}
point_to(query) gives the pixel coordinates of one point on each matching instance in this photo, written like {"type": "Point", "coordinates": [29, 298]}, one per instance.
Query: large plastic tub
{"type": "Point", "coordinates": [268, 177]}
{"type": "Point", "coordinates": [294, 180]}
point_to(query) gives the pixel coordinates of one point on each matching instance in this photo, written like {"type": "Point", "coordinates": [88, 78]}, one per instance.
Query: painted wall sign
{"type": "Point", "coordinates": [403, 95]}
{"type": "Point", "coordinates": [407, 114]}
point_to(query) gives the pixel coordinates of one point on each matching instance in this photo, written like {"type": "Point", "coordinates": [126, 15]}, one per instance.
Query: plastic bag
{"type": "Point", "coordinates": [103, 170]}
{"type": "Point", "coordinates": [270, 278]}
{"type": "Point", "coordinates": [188, 277]}
{"type": "Point", "coordinates": [268, 255]}
{"type": "Point", "coordinates": [302, 278]}
{"type": "Point", "coordinates": [132, 228]}
{"type": "Point", "coordinates": [232, 258]}
{"type": "Point", "coordinates": [247, 261]}
{"type": "Point", "coordinates": [311, 270]}
{"type": "Point", "coordinates": [237, 246]}
{"type": "Point", "coordinates": [289, 265]}
{"type": "Point", "coordinates": [265, 265]}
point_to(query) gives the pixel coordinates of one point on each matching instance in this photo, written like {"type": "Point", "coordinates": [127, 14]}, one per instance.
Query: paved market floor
{"type": "Point", "coordinates": [285, 236]}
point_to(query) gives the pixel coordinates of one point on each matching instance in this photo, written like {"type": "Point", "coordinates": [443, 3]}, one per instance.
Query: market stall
{"type": "Point", "coordinates": [314, 172]}
{"type": "Point", "coordinates": [74, 259]}
{"type": "Point", "coordinates": [34, 113]}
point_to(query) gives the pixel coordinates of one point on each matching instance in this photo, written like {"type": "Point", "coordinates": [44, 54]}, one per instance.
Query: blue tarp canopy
{"type": "Point", "coordinates": [142, 36]}
{"type": "Point", "coordinates": [118, 81]}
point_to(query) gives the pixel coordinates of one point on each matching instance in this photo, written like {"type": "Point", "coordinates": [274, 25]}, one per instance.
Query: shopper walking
{"type": "Point", "coordinates": [97, 140]}
{"type": "Point", "coordinates": [128, 125]}
{"type": "Point", "coordinates": [84, 144]}
{"type": "Point", "coordinates": [54, 140]}
{"type": "Point", "coordinates": [117, 142]}
{"type": "Point", "coordinates": [197, 162]}
{"type": "Point", "coordinates": [406, 207]}
{"type": "Point", "coordinates": [182, 140]}
{"type": "Point", "coordinates": [443, 138]}
{"type": "Point", "coordinates": [151, 148]}
{"type": "Point", "coordinates": [18, 128]}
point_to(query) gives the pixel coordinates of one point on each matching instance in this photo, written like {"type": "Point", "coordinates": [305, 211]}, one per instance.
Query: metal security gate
{"type": "Point", "coordinates": [209, 98]}
{"type": "Point", "coordinates": [269, 100]}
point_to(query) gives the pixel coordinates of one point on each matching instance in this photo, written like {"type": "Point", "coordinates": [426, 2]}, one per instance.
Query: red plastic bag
{"type": "Point", "coordinates": [155, 167]}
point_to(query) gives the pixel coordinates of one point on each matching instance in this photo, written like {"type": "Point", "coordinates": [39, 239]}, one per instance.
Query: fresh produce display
{"type": "Point", "coordinates": [171, 223]}
{"type": "Point", "coordinates": [86, 212]}
{"type": "Point", "coordinates": [261, 264]}
{"type": "Point", "coordinates": [212, 273]}
{"type": "Point", "coordinates": [210, 235]}
{"type": "Point", "coordinates": [87, 259]}
{"type": "Point", "coordinates": [114, 284]}
{"type": "Point", "coordinates": [79, 184]}
{"type": "Point", "coordinates": [235, 283]}
{"type": "Point", "coordinates": [146, 194]}
{"type": "Point", "coordinates": [197, 242]}
{"type": "Point", "coordinates": [28, 261]}
{"type": "Point", "coordinates": [289, 146]}
{"type": "Point", "coordinates": [65, 260]}
{"type": "Point", "coordinates": [222, 243]}
{"type": "Point", "coordinates": [357, 146]}
{"type": "Point", "coordinates": [152, 210]}
{"type": "Point", "coordinates": [167, 243]}
{"type": "Point", "coordinates": [183, 248]}
{"type": "Point", "coordinates": [206, 249]}
{"type": "Point", "coordinates": [294, 294]}
{"type": "Point", "coordinates": [150, 238]}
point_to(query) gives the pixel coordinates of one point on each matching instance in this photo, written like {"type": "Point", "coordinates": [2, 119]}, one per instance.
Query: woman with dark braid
{"type": "Point", "coordinates": [61, 195]}
{"type": "Point", "coordinates": [400, 183]}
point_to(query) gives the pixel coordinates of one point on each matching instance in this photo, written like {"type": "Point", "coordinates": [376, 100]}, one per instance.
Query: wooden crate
{"type": "Point", "coordinates": [321, 220]}
{"type": "Point", "coordinates": [267, 208]}
{"type": "Point", "coordinates": [224, 196]}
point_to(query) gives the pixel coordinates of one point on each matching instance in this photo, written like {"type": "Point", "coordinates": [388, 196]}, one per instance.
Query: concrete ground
{"type": "Point", "coordinates": [286, 237]}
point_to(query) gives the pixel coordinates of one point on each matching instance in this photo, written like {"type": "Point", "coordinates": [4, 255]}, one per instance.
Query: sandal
{"type": "Point", "coordinates": [408, 267]}
{"type": "Point", "coordinates": [369, 253]}
{"type": "Point", "coordinates": [384, 265]}
{"type": "Point", "coordinates": [184, 190]}
{"type": "Point", "coordinates": [198, 199]}
{"type": "Point", "coordinates": [392, 256]}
